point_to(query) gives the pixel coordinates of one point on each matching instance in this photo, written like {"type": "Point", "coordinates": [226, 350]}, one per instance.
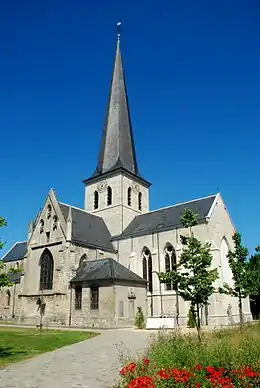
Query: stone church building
{"type": "Point", "coordinates": [94, 266]}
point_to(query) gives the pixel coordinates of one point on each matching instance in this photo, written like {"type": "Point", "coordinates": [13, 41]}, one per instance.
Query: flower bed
{"type": "Point", "coordinates": [144, 374]}
{"type": "Point", "coordinates": [225, 358]}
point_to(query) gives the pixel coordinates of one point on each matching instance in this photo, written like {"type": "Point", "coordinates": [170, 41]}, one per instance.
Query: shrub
{"type": "Point", "coordinates": [139, 318]}
{"type": "Point", "coordinates": [191, 318]}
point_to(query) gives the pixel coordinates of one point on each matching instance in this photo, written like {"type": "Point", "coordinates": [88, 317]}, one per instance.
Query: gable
{"type": "Point", "coordinates": [167, 218]}
{"type": "Point", "coordinates": [49, 224]}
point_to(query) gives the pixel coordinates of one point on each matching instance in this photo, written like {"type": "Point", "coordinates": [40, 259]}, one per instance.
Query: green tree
{"type": "Point", "coordinates": [4, 277]}
{"type": "Point", "coordinates": [194, 278]}
{"type": "Point", "coordinates": [139, 318]}
{"type": "Point", "coordinates": [254, 273]}
{"type": "Point", "coordinates": [191, 318]}
{"type": "Point", "coordinates": [2, 224]}
{"type": "Point", "coordinates": [238, 263]}
{"type": "Point", "coordinates": [254, 278]}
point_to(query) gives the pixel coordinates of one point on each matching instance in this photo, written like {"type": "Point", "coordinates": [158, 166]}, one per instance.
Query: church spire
{"type": "Point", "coordinates": [117, 146]}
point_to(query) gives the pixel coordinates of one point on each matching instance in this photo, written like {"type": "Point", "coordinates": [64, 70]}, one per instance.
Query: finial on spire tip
{"type": "Point", "coordinates": [118, 24]}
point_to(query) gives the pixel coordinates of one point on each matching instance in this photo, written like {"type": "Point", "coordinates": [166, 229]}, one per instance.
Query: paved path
{"type": "Point", "coordinates": [93, 363]}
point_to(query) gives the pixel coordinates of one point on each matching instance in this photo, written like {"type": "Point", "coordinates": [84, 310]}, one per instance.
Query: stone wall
{"type": "Point", "coordinates": [127, 301]}
{"type": "Point", "coordinates": [119, 214]}
{"type": "Point", "coordinates": [103, 317]}
{"type": "Point", "coordinates": [115, 307]}
{"type": "Point", "coordinates": [163, 302]}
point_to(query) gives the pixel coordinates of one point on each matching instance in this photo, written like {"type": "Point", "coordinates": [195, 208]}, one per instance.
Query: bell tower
{"type": "Point", "coordinates": [116, 191]}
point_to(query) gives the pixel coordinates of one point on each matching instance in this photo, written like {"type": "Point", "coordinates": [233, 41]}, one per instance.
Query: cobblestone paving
{"type": "Point", "coordinates": [93, 363]}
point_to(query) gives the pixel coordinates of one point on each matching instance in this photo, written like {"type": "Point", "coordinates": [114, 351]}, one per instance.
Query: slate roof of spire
{"type": "Point", "coordinates": [106, 270]}
{"type": "Point", "coordinates": [166, 218]}
{"type": "Point", "coordinates": [117, 149]}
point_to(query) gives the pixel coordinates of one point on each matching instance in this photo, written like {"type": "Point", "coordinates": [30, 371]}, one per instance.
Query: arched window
{"type": "Point", "coordinates": [48, 211]}
{"type": "Point", "coordinates": [140, 201]}
{"type": "Point", "coordinates": [83, 259]}
{"type": "Point", "coordinates": [147, 268]}
{"type": "Point", "coordinates": [55, 222]}
{"type": "Point", "coordinates": [170, 262]}
{"type": "Point", "coordinates": [41, 225]}
{"type": "Point", "coordinates": [96, 199]}
{"type": "Point", "coordinates": [109, 196]}
{"type": "Point", "coordinates": [227, 275]}
{"type": "Point", "coordinates": [129, 196]}
{"type": "Point", "coordinates": [144, 267]}
{"type": "Point", "coordinates": [8, 298]}
{"type": "Point", "coordinates": [46, 272]}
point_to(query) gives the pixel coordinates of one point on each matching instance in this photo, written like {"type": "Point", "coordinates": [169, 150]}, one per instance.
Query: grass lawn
{"type": "Point", "coordinates": [224, 358]}
{"type": "Point", "coordinates": [18, 344]}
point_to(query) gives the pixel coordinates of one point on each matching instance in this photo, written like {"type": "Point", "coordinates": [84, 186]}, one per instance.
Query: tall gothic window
{"type": "Point", "coordinates": [170, 262]}
{"type": "Point", "coordinates": [129, 196]}
{"type": "Point", "coordinates": [140, 201]}
{"type": "Point", "coordinates": [46, 272]}
{"type": "Point", "coordinates": [147, 268]}
{"type": "Point", "coordinates": [109, 196]}
{"type": "Point", "coordinates": [96, 199]}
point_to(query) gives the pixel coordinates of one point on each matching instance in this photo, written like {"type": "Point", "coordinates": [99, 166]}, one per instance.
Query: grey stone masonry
{"type": "Point", "coordinates": [94, 363]}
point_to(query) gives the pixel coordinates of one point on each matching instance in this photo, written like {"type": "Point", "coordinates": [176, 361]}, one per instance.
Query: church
{"type": "Point", "coordinates": [92, 267]}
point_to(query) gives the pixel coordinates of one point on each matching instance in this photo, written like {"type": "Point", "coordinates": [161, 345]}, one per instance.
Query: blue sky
{"type": "Point", "coordinates": [192, 71]}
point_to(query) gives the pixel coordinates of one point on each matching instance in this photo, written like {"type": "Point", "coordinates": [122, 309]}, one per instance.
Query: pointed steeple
{"type": "Point", "coordinates": [117, 146]}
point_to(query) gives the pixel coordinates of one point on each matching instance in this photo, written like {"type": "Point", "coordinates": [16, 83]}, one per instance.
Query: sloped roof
{"type": "Point", "coordinates": [17, 252]}
{"type": "Point", "coordinates": [159, 220]}
{"type": "Point", "coordinates": [88, 229]}
{"type": "Point", "coordinates": [106, 269]}
{"type": "Point", "coordinates": [15, 278]}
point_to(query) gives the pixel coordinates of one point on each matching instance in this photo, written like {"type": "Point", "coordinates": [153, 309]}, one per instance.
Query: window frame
{"type": "Point", "coordinates": [147, 268]}
{"type": "Point", "coordinates": [170, 262]}
{"type": "Point", "coordinates": [140, 196]}
{"type": "Point", "coordinates": [94, 298]}
{"type": "Point", "coordinates": [78, 298]}
{"type": "Point", "coordinates": [109, 196]}
{"type": "Point", "coordinates": [129, 196]}
{"type": "Point", "coordinates": [96, 199]}
{"type": "Point", "coordinates": [46, 271]}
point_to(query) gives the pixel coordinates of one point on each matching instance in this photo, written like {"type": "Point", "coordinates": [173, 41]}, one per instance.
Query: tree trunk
{"type": "Point", "coordinates": [241, 321]}
{"type": "Point", "coordinates": [198, 322]}
{"type": "Point", "coordinates": [177, 307]}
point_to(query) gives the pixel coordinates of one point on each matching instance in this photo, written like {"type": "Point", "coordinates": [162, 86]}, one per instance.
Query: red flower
{"type": "Point", "coordinates": [130, 368]}
{"type": "Point", "coordinates": [163, 374]}
{"type": "Point", "coordinates": [249, 373]}
{"type": "Point", "coordinates": [210, 369]}
{"type": "Point", "coordinates": [146, 361]}
{"type": "Point", "coordinates": [198, 385]}
{"type": "Point", "coordinates": [181, 376]}
{"type": "Point", "coordinates": [198, 367]}
{"type": "Point", "coordinates": [141, 382]}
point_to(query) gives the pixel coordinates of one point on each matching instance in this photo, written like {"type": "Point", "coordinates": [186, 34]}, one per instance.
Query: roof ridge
{"type": "Point", "coordinates": [111, 265]}
{"type": "Point", "coordinates": [77, 208]}
{"type": "Point", "coordinates": [179, 203]}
